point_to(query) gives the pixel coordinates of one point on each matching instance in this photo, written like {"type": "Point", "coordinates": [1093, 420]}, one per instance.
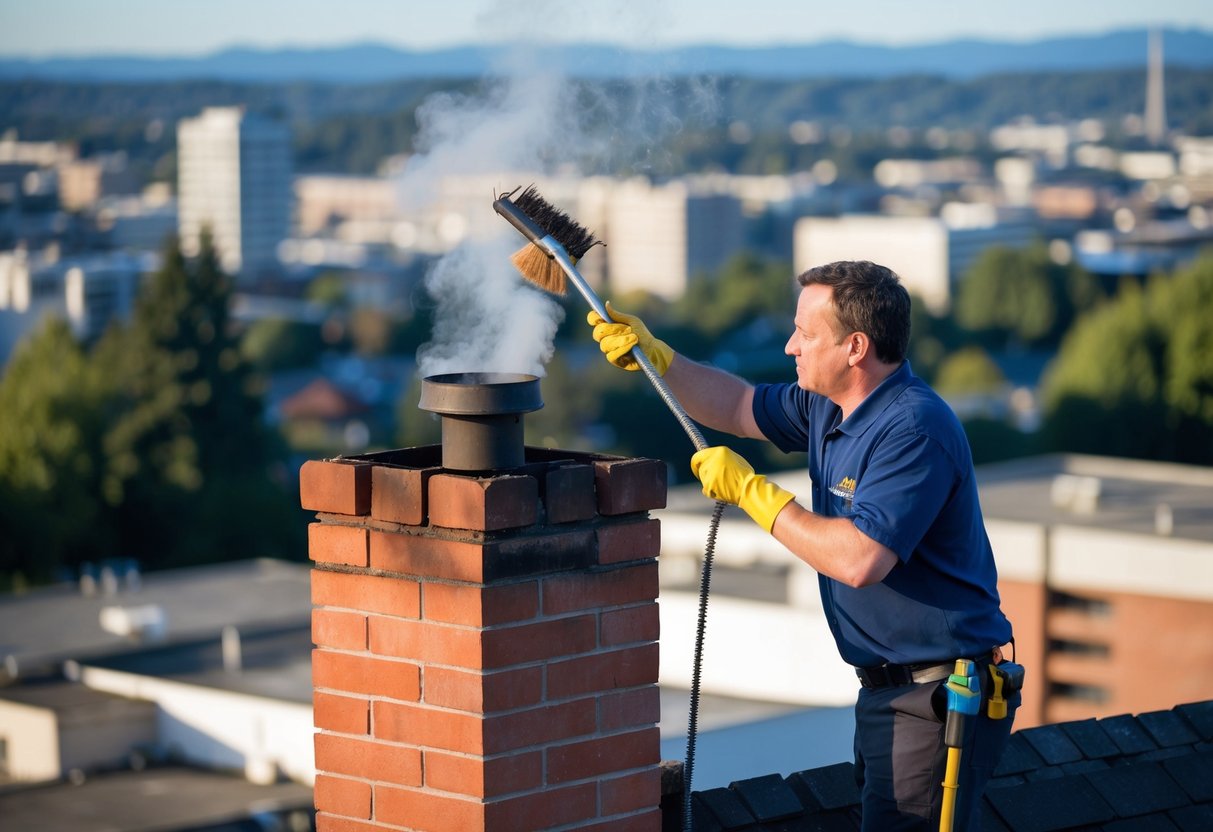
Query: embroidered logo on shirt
{"type": "Point", "coordinates": [845, 489]}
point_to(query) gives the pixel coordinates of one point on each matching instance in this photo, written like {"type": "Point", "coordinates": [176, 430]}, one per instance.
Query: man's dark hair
{"type": "Point", "coordinates": [868, 298]}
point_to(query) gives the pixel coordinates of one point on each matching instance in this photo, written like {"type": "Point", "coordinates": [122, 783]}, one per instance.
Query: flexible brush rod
{"type": "Point", "coordinates": [549, 245]}
{"type": "Point", "coordinates": [557, 253]}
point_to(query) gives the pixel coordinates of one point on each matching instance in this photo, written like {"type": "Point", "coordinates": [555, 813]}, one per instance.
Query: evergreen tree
{"type": "Point", "coordinates": [191, 475]}
{"type": "Point", "coordinates": [51, 409]}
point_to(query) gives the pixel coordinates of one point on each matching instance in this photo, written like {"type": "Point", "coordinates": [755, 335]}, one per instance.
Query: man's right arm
{"type": "Point", "coordinates": [714, 398]}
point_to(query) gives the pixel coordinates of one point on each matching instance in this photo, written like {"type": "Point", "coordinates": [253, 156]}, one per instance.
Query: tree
{"type": "Point", "coordinates": [971, 370]}
{"type": "Point", "coordinates": [746, 287]}
{"type": "Point", "coordinates": [1135, 377]}
{"type": "Point", "coordinates": [51, 407]}
{"type": "Point", "coordinates": [192, 473]}
{"type": "Point", "coordinates": [1021, 296]}
{"type": "Point", "coordinates": [272, 344]}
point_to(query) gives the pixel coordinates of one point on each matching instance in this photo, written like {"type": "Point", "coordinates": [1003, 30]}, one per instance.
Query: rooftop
{"type": "Point", "coordinates": [42, 628]}
{"type": "Point", "coordinates": [1152, 771]}
{"type": "Point", "coordinates": [154, 799]}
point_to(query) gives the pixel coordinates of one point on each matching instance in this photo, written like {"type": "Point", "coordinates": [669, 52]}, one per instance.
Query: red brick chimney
{"type": "Point", "coordinates": [486, 645]}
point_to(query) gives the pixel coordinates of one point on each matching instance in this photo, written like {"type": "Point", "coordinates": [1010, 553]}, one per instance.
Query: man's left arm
{"type": "Point", "coordinates": [831, 545]}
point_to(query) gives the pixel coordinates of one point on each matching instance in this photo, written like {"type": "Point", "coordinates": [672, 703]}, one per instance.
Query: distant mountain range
{"type": "Point", "coordinates": [370, 62]}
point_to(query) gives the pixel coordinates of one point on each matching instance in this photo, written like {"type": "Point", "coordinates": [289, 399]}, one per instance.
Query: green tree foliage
{"type": "Point", "coordinates": [746, 287]}
{"type": "Point", "coordinates": [971, 370]}
{"type": "Point", "coordinates": [52, 404]}
{"type": "Point", "coordinates": [1021, 297]}
{"type": "Point", "coordinates": [152, 446]}
{"type": "Point", "coordinates": [272, 344]}
{"type": "Point", "coordinates": [1135, 378]}
{"type": "Point", "coordinates": [191, 428]}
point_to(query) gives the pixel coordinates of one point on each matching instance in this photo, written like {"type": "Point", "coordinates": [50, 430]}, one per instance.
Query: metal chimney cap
{"type": "Point", "coordinates": [480, 394]}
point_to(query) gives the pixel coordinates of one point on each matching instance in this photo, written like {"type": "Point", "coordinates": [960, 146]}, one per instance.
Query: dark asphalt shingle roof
{"type": "Point", "coordinates": [1144, 772]}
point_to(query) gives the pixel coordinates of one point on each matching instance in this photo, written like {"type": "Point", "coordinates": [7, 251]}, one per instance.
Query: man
{"type": "Point", "coordinates": [907, 575]}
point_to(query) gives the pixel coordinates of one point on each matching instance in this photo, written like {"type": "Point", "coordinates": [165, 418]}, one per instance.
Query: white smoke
{"type": "Point", "coordinates": [485, 320]}
{"type": "Point", "coordinates": [486, 317]}
{"type": "Point", "coordinates": [531, 121]}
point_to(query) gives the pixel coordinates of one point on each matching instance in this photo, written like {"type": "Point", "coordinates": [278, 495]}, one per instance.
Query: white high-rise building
{"type": "Point", "coordinates": [234, 176]}
{"type": "Point", "coordinates": [929, 254]}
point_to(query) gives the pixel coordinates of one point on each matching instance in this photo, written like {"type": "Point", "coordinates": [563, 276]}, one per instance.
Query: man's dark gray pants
{"type": "Point", "coordinates": [900, 757]}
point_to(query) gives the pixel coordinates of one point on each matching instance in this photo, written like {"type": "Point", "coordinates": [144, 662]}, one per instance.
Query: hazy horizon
{"type": "Point", "coordinates": [143, 28]}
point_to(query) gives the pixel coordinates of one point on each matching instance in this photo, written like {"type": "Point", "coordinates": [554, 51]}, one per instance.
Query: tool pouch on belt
{"type": "Point", "coordinates": [1006, 679]}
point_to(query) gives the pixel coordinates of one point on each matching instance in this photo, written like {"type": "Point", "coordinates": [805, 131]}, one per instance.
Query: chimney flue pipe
{"type": "Point", "coordinates": [481, 414]}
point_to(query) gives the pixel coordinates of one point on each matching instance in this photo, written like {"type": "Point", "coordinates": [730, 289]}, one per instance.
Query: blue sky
{"type": "Point", "coordinates": [39, 28]}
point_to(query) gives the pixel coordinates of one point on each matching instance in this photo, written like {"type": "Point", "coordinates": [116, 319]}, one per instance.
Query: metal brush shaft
{"type": "Point", "coordinates": [557, 252]}
{"type": "Point", "coordinates": [516, 217]}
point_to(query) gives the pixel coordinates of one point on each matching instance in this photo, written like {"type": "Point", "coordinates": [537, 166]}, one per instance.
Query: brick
{"type": "Point", "coordinates": [631, 792]}
{"type": "Point", "coordinates": [594, 590]}
{"type": "Point", "coordinates": [539, 726]}
{"type": "Point", "coordinates": [542, 554]}
{"type": "Point", "coordinates": [351, 798]}
{"type": "Point", "coordinates": [366, 593]}
{"type": "Point", "coordinates": [399, 495]}
{"type": "Point", "coordinates": [331, 823]}
{"type": "Point", "coordinates": [602, 755]}
{"type": "Point", "coordinates": [366, 674]}
{"type": "Point", "coordinates": [629, 625]}
{"type": "Point", "coordinates": [568, 493]}
{"type": "Point", "coordinates": [428, 727]}
{"type": "Point", "coordinates": [629, 709]}
{"type": "Point", "coordinates": [620, 542]}
{"type": "Point", "coordinates": [335, 487]}
{"type": "Point", "coordinates": [344, 714]}
{"type": "Point", "coordinates": [482, 693]}
{"type": "Point", "coordinates": [425, 641]}
{"type": "Point", "coordinates": [555, 638]}
{"type": "Point", "coordinates": [478, 605]}
{"type": "Point", "coordinates": [368, 759]}
{"type": "Point", "coordinates": [428, 556]}
{"type": "Point", "coordinates": [331, 543]}
{"type": "Point", "coordinates": [483, 504]}
{"type": "Point", "coordinates": [467, 733]}
{"type": "Point", "coordinates": [543, 810]}
{"type": "Point", "coordinates": [430, 811]}
{"type": "Point", "coordinates": [625, 486]}
{"type": "Point", "coordinates": [338, 629]}
{"type": "Point", "coordinates": [627, 668]}
{"type": "Point", "coordinates": [479, 777]}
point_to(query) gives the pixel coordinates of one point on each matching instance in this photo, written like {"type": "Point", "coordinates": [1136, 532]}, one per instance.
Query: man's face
{"type": "Point", "coordinates": [821, 359]}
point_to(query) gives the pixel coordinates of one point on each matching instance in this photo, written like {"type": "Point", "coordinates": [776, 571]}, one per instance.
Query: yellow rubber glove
{"type": "Point", "coordinates": [727, 476]}
{"type": "Point", "coordinates": [617, 337]}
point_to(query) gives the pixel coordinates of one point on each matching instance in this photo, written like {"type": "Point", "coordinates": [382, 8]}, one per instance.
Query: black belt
{"type": "Point", "coordinates": [891, 675]}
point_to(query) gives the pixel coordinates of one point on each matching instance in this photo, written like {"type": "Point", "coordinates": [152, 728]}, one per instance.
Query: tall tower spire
{"type": "Point", "coordinates": [1156, 105]}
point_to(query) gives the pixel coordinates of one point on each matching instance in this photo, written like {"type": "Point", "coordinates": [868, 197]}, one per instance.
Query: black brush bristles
{"type": "Point", "coordinates": [556, 223]}
{"type": "Point", "coordinates": [532, 261]}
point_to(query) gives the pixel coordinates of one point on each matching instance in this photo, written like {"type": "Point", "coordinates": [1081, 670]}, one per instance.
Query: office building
{"type": "Point", "coordinates": [660, 236]}
{"type": "Point", "coordinates": [930, 254]}
{"type": "Point", "coordinates": [234, 177]}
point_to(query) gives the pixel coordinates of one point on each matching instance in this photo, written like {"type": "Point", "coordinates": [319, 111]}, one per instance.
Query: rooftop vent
{"type": "Point", "coordinates": [1078, 494]}
{"type": "Point", "coordinates": [146, 623]}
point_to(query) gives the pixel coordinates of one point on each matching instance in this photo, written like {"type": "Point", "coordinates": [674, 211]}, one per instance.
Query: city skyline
{"type": "Point", "coordinates": [142, 27]}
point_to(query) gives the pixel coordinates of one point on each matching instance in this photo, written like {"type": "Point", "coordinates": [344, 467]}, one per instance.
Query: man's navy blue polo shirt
{"type": "Point", "coordinates": [901, 469]}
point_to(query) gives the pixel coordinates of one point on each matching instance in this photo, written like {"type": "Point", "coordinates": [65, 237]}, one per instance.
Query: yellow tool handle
{"type": "Point", "coordinates": [951, 781]}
